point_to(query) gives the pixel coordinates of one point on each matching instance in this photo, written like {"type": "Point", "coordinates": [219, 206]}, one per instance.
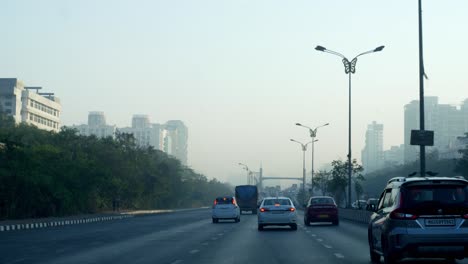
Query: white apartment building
{"type": "Point", "coordinates": [96, 126]}
{"type": "Point", "coordinates": [175, 136]}
{"type": "Point", "coordinates": [144, 132]}
{"type": "Point", "coordinates": [28, 105]}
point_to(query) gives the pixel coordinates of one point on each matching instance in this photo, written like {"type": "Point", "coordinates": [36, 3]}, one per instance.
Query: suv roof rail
{"type": "Point", "coordinates": [397, 179]}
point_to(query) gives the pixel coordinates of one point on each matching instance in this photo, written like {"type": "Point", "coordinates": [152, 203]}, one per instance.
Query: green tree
{"type": "Point", "coordinates": [462, 163]}
{"type": "Point", "coordinates": [339, 178]}
{"type": "Point", "coordinates": [321, 181]}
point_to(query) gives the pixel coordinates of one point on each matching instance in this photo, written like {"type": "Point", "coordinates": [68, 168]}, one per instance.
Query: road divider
{"type": "Point", "coordinates": [14, 225]}
{"type": "Point", "coordinates": [359, 216]}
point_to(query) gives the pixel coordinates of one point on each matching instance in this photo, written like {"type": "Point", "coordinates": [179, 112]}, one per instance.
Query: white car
{"type": "Point", "coordinates": [277, 211]}
{"type": "Point", "coordinates": [225, 208]}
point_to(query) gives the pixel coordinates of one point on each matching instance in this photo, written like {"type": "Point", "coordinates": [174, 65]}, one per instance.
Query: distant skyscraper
{"type": "Point", "coordinates": [175, 140]}
{"type": "Point", "coordinates": [96, 126]}
{"type": "Point", "coordinates": [372, 154]}
{"type": "Point", "coordinates": [145, 133]}
{"type": "Point", "coordinates": [32, 107]}
{"type": "Point", "coordinates": [394, 156]}
{"type": "Point", "coordinates": [445, 120]}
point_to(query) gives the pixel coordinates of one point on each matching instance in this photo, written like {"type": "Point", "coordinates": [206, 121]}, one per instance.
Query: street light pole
{"type": "Point", "coordinates": [350, 67]}
{"type": "Point", "coordinates": [304, 149]}
{"type": "Point", "coordinates": [313, 134]}
{"type": "Point", "coordinates": [245, 167]}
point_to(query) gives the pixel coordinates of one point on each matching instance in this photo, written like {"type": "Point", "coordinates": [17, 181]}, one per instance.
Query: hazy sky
{"type": "Point", "coordinates": [240, 73]}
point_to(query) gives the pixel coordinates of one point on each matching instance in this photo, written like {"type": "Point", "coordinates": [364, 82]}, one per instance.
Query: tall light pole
{"type": "Point", "coordinates": [313, 134]}
{"type": "Point", "coordinates": [350, 67]}
{"type": "Point", "coordinates": [304, 149]}
{"type": "Point", "coordinates": [245, 167]}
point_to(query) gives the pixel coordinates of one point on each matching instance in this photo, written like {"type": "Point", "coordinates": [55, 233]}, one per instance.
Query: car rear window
{"type": "Point", "coordinates": [224, 200]}
{"type": "Point", "coordinates": [434, 195]}
{"type": "Point", "coordinates": [323, 200]}
{"type": "Point", "coordinates": [276, 201]}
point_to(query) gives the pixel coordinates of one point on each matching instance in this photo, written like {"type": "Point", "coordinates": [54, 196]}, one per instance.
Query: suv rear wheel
{"type": "Point", "coordinates": [387, 256]}
{"type": "Point", "coordinates": [306, 221]}
{"type": "Point", "coordinates": [215, 220]}
{"type": "Point", "coordinates": [260, 227]}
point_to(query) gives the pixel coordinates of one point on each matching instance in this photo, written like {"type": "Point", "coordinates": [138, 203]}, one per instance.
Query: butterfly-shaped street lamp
{"type": "Point", "coordinates": [350, 67]}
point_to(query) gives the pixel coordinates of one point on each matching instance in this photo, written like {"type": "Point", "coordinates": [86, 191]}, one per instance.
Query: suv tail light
{"type": "Point", "coordinates": [292, 209]}
{"type": "Point", "coordinates": [400, 214]}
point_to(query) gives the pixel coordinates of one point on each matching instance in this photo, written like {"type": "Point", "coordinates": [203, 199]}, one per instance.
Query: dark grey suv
{"type": "Point", "coordinates": [420, 217]}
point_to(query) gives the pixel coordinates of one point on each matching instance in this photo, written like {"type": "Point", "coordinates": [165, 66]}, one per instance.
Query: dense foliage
{"type": "Point", "coordinates": [53, 174]}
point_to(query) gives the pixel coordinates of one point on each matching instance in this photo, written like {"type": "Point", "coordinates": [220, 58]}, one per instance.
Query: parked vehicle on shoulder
{"type": "Point", "coordinates": [420, 218]}
{"type": "Point", "coordinates": [321, 209]}
{"type": "Point", "coordinates": [225, 208]}
{"type": "Point", "coordinates": [277, 211]}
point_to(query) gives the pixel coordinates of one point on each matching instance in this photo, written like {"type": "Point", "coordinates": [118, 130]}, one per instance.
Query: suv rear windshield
{"type": "Point", "coordinates": [432, 197]}
{"type": "Point", "coordinates": [224, 200]}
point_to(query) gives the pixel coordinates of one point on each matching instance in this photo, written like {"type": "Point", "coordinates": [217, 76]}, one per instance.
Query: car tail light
{"type": "Point", "coordinates": [215, 203]}
{"type": "Point", "coordinates": [399, 214]}
{"type": "Point", "coordinates": [263, 209]}
{"type": "Point", "coordinates": [292, 209]}
{"type": "Point", "coordinates": [465, 216]}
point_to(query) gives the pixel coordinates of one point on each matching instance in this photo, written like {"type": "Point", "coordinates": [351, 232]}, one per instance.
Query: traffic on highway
{"type": "Point", "coordinates": [233, 132]}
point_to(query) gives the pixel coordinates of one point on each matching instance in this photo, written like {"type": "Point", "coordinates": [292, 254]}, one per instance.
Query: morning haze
{"type": "Point", "coordinates": [239, 74]}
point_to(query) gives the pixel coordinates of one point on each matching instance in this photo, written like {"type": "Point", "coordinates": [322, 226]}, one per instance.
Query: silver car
{"type": "Point", "coordinates": [277, 211]}
{"type": "Point", "coordinates": [420, 217]}
{"type": "Point", "coordinates": [225, 208]}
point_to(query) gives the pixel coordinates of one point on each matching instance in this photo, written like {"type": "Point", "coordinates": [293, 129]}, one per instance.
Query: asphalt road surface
{"type": "Point", "coordinates": [189, 237]}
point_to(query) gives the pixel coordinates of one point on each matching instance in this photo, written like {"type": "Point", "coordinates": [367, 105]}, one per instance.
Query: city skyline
{"type": "Point", "coordinates": [240, 85]}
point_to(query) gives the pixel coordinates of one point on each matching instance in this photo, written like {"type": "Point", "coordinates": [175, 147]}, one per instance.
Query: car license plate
{"type": "Point", "coordinates": [277, 212]}
{"type": "Point", "coordinates": [323, 216]}
{"type": "Point", "coordinates": [440, 222]}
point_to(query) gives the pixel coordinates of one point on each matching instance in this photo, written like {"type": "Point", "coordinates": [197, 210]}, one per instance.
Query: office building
{"type": "Point", "coordinates": [394, 156]}
{"type": "Point", "coordinates": [28, 105]}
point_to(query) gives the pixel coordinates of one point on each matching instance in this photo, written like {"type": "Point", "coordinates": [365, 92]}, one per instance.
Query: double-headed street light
{"type": "Point", "coordinates": [245, 167]}
{"type": "Point", "coordinates": [313, 134]}
{"type": "Point", "coordinates": [350, 67]}
{"type": "Point", "coordinates": [304, 149]}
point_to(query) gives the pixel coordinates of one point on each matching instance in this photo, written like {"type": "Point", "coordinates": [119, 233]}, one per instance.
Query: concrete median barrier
{"type": "Point", "coordinates": [359, 216]}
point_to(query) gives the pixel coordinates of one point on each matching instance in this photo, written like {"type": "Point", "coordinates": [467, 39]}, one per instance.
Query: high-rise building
{"type": "Point", "coordinates": [372, 155]}
{"type": "Point", "coordinates": [145, 133]}
{"type": "Point", "coordinates": [394, 156]}
{"type": "Point", "coordinates": [96, 126]}
{"type": "Point", "coordinates": [28, 105]}
{"type": "Point", "coordinates": [175, 136]}
{"type": "Point", "coordinates": [447, 121]}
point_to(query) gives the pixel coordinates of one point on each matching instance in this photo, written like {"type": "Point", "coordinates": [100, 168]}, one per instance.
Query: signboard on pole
{"type": "Point", "coordinates": [422, 137]}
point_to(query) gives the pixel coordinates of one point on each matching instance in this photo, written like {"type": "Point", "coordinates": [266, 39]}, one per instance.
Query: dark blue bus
{"type": "Point", "coordinates": [247, 196]}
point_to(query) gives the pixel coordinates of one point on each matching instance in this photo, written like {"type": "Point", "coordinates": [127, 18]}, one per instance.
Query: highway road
{"type": "Point", "coordinates": [188, 237]}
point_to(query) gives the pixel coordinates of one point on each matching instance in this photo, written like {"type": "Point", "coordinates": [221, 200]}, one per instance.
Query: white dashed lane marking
{"type": "Point", "coordinates": [177, 261]}
{"type": "Point", "coordinates": [314, 235]}
{"type": "Point", "coordinates": [319, 239]}
{"type": "Point", "coordinates": [205, 244]}
{"type": "Point", "coordinates": [327, 246]}
{"type": "Point", "coordinates": [339, 255]}
{"type": "Point", "coordinates": [194, 251]}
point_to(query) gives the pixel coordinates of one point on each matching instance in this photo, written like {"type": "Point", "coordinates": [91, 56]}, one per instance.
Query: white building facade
{"type": "Point", "coordinates": [96, 126]}
{"type": "Point", "coordinates": [25, 105]}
